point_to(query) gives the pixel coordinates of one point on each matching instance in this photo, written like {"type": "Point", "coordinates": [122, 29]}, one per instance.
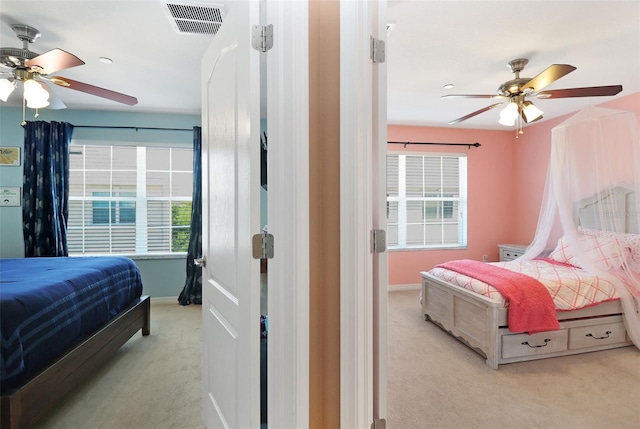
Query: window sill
{"type": "Point", "coordinates": [421, 249]}
{"type": "Point", "coordinates": [160, 256]}
{"type": "Point", "coordinates": [150, 256]}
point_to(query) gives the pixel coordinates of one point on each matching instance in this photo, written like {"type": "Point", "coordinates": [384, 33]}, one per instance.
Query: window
{"type": "Point", "coordinates": [426, 201]}
{"type": "Point", "coordinates": [109, 211]}
{"type": "Point", "coordinates": [129, 199]}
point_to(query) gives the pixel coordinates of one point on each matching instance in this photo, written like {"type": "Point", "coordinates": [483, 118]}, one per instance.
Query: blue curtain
{"type": "Point", "coordinates": [46, 188]}
{"type": "Point", "coordinates": [192, 291]}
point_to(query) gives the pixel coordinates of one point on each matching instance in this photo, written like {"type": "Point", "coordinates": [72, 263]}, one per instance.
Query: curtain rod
{"type": "Point", "coordinates": [133, 128]}
{"type": "Point", "coordinates": [476, 144]}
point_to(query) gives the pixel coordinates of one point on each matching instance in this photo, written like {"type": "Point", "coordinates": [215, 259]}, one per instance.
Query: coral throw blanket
{"type": "Point", "coordinates": [531, 307]}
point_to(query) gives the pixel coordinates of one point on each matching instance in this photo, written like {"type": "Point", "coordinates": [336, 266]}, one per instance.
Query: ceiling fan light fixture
{"type": "Point", "coordinates": [35, 95]}
{"type": "Point", "coordinates": [31, 89]}
{"type": "Point", "coordinates": [507, 122]}
{"type": "Point", "coordinates": [509, 114]}
{"type": "Point", "coordinates": [38, 103]}
{"type": "Point", "coordinates": [6, 88]}
{"type": "Point", "coordinates": [531, 112]}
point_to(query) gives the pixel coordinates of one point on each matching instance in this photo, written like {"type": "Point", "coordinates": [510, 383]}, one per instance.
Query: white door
{"type": "Point", "coordinates": [231, 204]}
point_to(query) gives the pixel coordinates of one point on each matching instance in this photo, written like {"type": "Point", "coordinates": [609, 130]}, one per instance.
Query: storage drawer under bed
{"type": "Point", "coordinates": [518, 345]}
{"type": "Point", "coordinates": [574, 335]}
{"type": "Point", "coordinates": [597, 335]}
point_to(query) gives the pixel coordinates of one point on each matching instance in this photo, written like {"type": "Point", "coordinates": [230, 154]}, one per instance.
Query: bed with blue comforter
{"type": "Point", "coordinates": [49, 305]}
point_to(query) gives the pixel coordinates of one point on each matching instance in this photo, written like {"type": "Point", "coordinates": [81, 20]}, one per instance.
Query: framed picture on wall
{"type": "Point", "coordinates": [10, 156]}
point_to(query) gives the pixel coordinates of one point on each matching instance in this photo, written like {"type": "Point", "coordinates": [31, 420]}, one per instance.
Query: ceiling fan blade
{"type": "Point", "coordinates": [94, 90]}
{"type": "Point", "coordinates": [472, 96]}
{"type": "Point", "coordinates": [477, 112]}
{"type": "Point", "coordinates": [590, 91]}
{"type": "Point", "coordinates": [547, 76]}
{"type": "Point", "coordinates": [53, 61]}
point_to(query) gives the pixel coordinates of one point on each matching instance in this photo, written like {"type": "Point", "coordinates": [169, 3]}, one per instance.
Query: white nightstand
{"type": "Point", "coordinates": [509, 252]}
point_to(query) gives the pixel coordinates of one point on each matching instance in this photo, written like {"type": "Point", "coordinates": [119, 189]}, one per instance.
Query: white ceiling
{"type": "Point", "coordinates": [467, 43]}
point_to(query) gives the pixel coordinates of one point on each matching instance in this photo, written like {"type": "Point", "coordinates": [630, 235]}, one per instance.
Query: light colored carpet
{"type": "Point", "coordinates": [152, 382]}
{"type": "Point", "coordinates": [434, 382]}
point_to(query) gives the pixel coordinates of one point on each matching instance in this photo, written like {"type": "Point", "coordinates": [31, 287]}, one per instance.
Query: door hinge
{"type": "Point", "coordinates": [378, 240]}
{"type": "Point", "coordinates": [377, 50]}
{"type": "Point", "coordinates": [262, 246]}
{"type": "Point", "coordinates": [262, 37]}
{"type": "Point", "coordinates": [379, 424]}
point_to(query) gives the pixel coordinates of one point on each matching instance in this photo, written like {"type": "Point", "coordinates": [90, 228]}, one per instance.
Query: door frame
{"type": "Point", "coordinates": [379, 212]}
{"type": "Point", "coordinates": [288, 214]}
{"type": "Point", "coordinates": [362, 162]}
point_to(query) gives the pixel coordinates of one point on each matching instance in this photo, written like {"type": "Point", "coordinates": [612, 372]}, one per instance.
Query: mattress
{"type": "Point", "coordinates": [570, 287]}
{"type": "Point", "coordinates": [49, 304]}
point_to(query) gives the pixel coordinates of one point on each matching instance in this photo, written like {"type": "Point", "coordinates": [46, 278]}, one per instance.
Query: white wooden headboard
{"type": "Point", "coordinates": [623, 203]}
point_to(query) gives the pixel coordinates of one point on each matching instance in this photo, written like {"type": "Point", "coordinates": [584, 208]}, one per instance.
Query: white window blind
{"type": "Point", "coordinates": [426, 201]}
{"type": "Point", "coordinates": [129, 199]}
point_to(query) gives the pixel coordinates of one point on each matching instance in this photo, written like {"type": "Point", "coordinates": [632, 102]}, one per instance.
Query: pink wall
{"type": "Point", "coordinates": [490, 196]}
{"type": "Point", "coordinates": [506, 182]}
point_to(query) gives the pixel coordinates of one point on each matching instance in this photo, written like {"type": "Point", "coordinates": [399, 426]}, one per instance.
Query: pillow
{"type": "Point", "coordinates": [561, 253]}
{"type": "Point", "coordinates": [627, 239]}
{"type": "Point", "coordinates": [604, 250]}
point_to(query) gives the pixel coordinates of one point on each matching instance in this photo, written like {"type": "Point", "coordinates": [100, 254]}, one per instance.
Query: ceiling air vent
{"type": "Point", "coordinates": [194, 17]}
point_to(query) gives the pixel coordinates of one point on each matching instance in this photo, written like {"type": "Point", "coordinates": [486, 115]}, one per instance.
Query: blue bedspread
{"type": "Point", "coordinates": [48, 304]}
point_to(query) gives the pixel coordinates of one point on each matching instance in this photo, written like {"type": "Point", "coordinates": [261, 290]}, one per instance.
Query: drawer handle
{"type": "Point", "coordinates": [546, 340]}
{"type": "Point", "coordinates": [599, 338]}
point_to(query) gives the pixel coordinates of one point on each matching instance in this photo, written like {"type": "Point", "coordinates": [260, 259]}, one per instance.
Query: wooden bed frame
{"type": "Point", "coordinates": [481, 323]}
{"type": "Point", "coordinates": [24, 406]}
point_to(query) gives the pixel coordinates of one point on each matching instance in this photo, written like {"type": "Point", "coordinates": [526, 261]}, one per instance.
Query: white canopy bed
{"type": "Point", "coordinates": [588, 238]}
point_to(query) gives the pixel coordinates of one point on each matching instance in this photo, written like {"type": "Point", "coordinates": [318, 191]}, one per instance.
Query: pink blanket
{"type": "Point", "coordinates": [531, 307]}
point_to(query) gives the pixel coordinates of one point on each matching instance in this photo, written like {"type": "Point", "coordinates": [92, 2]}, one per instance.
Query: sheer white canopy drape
{"type": "Point", "coordinates": [589, 213]}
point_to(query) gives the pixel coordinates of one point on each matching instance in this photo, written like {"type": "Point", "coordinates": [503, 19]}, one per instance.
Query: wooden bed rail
{"type": "Point", "coordinates": [23, 407]}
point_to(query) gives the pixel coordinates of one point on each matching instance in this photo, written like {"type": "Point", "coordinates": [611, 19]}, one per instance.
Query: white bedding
{"type": "Point", "coordinates": [571, 288]}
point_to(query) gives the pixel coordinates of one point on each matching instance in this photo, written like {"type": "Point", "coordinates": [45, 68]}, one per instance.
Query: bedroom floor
{"type": "Point", "coordinates": [151, 383]}
{"type": "Point", "coordinates": [457, 389]}
{"type": "Point", "coordinates": [434, 382]}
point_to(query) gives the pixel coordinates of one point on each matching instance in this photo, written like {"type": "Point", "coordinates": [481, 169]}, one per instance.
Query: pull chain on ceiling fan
{"type": "Point", "coordinates": [34, 72]}
{"type": "Point", "coordinates": [514, 93]}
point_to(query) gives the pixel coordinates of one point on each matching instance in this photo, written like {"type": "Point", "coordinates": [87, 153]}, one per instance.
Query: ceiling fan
{"type": "Point", "coordinates": [35, 72]}
{"type": "Point", "coordinates": [515, 93]}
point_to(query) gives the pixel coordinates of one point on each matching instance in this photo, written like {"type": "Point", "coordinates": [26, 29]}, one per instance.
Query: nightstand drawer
{"type": "Point", "coordinates": [509, 252]}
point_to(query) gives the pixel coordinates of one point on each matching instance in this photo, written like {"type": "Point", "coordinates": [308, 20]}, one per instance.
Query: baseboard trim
{"type": "Point", "coordinates": [398, 288]}
{"type": "Point", "coordinates": [164, 300]}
